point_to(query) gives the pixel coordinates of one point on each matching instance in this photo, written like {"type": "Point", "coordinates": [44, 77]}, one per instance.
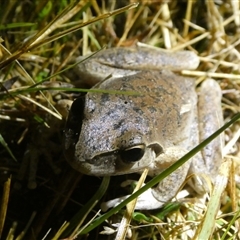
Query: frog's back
{"type": "Point", "coordinates": [164, 101]}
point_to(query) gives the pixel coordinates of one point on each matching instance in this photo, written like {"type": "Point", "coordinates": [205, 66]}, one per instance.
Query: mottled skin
{"type": "Point", "coordinates": [113, 134]}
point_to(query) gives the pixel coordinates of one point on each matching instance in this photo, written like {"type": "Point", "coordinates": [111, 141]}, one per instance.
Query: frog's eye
{"type": "Point", "coordinates": [74, 122]}
{"type": "Point", "coordinates": [132, 154]}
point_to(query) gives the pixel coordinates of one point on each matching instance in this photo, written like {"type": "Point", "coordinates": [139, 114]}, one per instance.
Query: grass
{"type": "Point", "coordinates": [39, 41]}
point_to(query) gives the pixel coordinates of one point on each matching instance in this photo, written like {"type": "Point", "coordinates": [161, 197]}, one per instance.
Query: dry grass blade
{"type": "Point", "coordinates": [210, 74]}
{"type": "Point", "coordinates": [208, 225]}
{"type": "Point", "coordinates": [41, 106]}
{"type": "Point", "coordinates": [4, 204]}
{"type": "Point", "coordinates": [81, 25]}
{"type": "Point", "coordinates": [65, 15]}
{"type": "Point", "coordinates": [37, 40]}
{"type": "Point", "coordinates": [126, 220]}
{"type": "Point", "coordinates": [29, 223]}
{"type": "Point", "coordinates": [5, 145]}
{"type": "Point", "coordinates": [26, 46]}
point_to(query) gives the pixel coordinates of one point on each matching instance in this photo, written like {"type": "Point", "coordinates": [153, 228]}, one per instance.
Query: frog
{"type": "Point", "coordinates": [144, 114]}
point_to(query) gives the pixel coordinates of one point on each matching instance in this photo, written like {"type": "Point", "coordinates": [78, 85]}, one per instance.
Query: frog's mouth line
{"type": "Point", "coordinates": [128, 156]}
{"type": "Point", "coordinates": [116, 162]}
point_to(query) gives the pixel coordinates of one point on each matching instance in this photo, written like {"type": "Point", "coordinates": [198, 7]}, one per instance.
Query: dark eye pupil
{"type": "Point", "coordinates": [132, 155]}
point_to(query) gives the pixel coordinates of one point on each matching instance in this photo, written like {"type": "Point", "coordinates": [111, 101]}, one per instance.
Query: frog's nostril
{"type": "Point", "coordinates": [132, 154]}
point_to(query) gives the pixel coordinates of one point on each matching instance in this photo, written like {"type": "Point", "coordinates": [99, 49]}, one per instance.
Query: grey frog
{"type": "Point", "coordinates": [113, 134]}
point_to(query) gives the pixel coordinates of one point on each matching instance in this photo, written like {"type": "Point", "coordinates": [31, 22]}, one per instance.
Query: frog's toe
{"type": "Point", "coordinates": [112, 203]}
{"type": "Point", "coordinates": [146, 201]}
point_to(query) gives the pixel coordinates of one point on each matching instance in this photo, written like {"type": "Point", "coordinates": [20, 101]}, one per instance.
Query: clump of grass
{"type": "Point", "coordinates": [39, 39]}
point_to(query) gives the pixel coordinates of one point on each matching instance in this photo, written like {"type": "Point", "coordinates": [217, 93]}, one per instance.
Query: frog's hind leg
{"type": "Point", "coordinates": [209, 119]}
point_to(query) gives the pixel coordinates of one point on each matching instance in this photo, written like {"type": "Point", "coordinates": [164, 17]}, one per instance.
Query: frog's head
{"type": "Point", "coordinates": [114, 140]}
